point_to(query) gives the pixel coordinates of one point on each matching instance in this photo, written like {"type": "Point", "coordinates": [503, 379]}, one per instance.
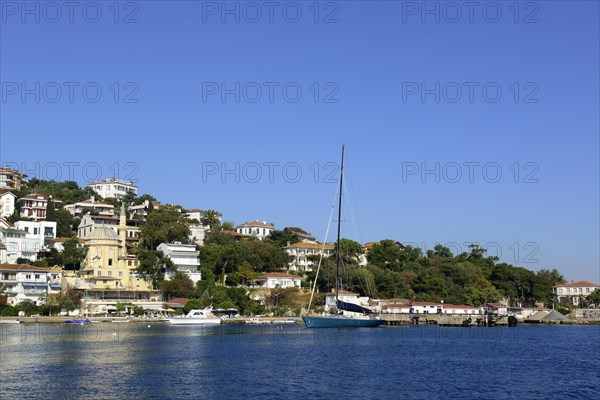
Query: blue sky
{"type": "Point", "coordinates": [381, 77]}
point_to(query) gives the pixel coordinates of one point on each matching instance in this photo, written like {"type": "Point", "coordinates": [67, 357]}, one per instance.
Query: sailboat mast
{"type": "Point", "coordinates": [337, 255]}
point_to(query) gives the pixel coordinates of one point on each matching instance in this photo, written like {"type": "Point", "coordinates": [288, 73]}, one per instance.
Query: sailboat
{"type": "Point", "coordinates": [361, 317]}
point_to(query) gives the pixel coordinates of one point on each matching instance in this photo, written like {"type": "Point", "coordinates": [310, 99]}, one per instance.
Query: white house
{"type": "Point", "coordinates": [33, 206]}
{"type": "Point", "coordinates": [299, 252]}
{"type": "Point", "coordinates": [7, 203]}
{"type": "Point", "coordinates": [91, 204]}
{"type": "Point", "coordinates": [197, 234]}
{"type": "Point", "coordinates": [27, 282]}
{"type": "Point", "coordinates": [272, 280]}
{"type": "Point", "coordinates": [42, 231]}
{"type": "Point", "coordinates": [258, 229]}
{"type": "Point", "coordinates": [430, 308]}
{"type": "Point", "coordinates": [572, 292]}
{"type": "Point", "coordinates": [114, 188]}
{"type": "Point", "coordinates": [396, 308]}
{"type": "Point", "coordinates": [198, 214]}
{"type": "Point", "coordinates": [17, 244]}
{"type": "Point", "coordinates": [185, 257]}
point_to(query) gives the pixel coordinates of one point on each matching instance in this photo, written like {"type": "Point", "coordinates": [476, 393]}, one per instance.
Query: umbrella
{"type": "Point", "coordinates": [110, 308]}
{"type": "Point", "coordinates": [169, 310]}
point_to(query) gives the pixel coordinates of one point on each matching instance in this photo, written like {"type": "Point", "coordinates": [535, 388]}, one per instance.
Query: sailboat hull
{"type": "Point", "coordinates": [341, 322]}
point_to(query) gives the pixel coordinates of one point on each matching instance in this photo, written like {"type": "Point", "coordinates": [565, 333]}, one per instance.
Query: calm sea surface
{"type": "Point", "coordinates": [135, 361]}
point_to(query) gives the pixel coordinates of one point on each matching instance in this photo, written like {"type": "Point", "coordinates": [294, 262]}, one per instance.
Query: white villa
{"type": "Point", "coordinates": [572, 291]}
{"type": "Point", "coordinates": [299, 252]}
{"type": "Point", "coordinates": [185, 258]}
{"type": "Point", "coordinates": [114, 188]}
{"type": "Point", "coordinates": [42, 231]}
{"type": "Point", "coordinates": [273, 280]}
{"type": "Point", "coordinates": [258, 229]}
{"type": "Point", "coordinates": [27, 282]}
{"type": "Point", "coordinates": [91, 204]}
{"type": "Point", "coordinates": [17, 244]}
{"type": "Point", "coordinates": [7, 203]}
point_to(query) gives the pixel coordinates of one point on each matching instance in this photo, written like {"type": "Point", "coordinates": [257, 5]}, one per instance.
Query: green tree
{"type": "Point", "coordinates": [164, 225]}
{"type": "Point", "coordinates": [73, 254]}
{"type": "Point", "coordinates": [153, 264]}
{"type": "Point", "coordinates": [350, 251]}
{"type": "Point", "coordinates": [180, 285]}
{"type": "Point", "coordinates": [481, 292]}
{"type": "Point", "coordinates": [246, 272]}
{"type": "Point", "coordinates": [212, 220]}
{"type": "Point", "coordinates": [386, 254]}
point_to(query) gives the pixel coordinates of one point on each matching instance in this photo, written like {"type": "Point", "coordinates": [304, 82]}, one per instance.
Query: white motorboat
{"type": "Point", "coordinates": [9, 321]}
{"type": "Point", "coordinates": [196, 317]}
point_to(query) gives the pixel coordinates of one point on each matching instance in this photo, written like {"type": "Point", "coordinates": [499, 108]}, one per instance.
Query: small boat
{"type": "Point", "coordinates": [196, 317]}
{"type": "Point", "coordinates": [77, 321]}
{"type": "Point", "coordinates": [256, 321]}
{"type": "Point", "coordinates": [9, 321]}
{"type": "Point", "coordinates": [119, 321]}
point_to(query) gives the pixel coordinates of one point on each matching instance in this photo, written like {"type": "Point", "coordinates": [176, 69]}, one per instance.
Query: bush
{"type": "Point", "coordinates": [9, 311]}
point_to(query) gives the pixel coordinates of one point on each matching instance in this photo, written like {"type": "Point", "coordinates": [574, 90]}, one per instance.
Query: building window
{"type": "Point", "coordinates": [120, 274]}
{"type": "Point", "coordinates": [99, 273]}
{"type": "Point", "coordinates": [109, 273]}
{"type": "Point", "coordinates": [37, 276]}
{"type": "Point", "coordinates": [110, 262]}
{"type": "Point", "coordinates": [28, 276]}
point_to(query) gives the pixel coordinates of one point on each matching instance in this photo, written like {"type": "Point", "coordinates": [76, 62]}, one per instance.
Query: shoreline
{"type": "Point", "coordinates": [230, 321]}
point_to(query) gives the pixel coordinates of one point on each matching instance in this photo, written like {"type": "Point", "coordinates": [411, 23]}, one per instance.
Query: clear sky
{"type": "Point", "coordinates": [463, 123]}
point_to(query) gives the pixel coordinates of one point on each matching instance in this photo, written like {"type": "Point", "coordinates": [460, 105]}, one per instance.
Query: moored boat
{"type": "Point", "coordinates": [77, 321]}
{"type": "Point", "coordinates": [196, 317]}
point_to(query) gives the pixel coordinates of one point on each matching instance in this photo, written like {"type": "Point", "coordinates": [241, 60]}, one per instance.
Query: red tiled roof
{"type": "Point", "coordinates": [459, 306]}
{"type": "Point", "coordinates": [178, 300]}
{"type": "Point", "coordinates": [578, 284]}
{"type": "Point", "coordinates": [232, 233]}
{"type": "Point", "coordinates": [34, 196]}
{"type": "Point", "coordinates": [7, 222]}
{"type": "Point", "coordinates": [3, 191]}
{"type": "Point", "coordinates": [311, 246]}
{"type": "Point", "coordinates": [22, 267]}
{"type": "Point", "coordinates": [401, 305]}
{"type": "Point", "coordinates": [278, 275]}
{"type": "Point", "coordinates": [257, 223]}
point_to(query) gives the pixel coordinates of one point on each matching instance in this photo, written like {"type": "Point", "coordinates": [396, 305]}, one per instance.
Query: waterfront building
{"type": "Point", "coordinates": [114, 188]}
{"type": "Point", "coordinates": [299, 254]}
{"type": "Point", "coordinates": [430, 308]}
{"type": "Point", "coordinates": [257, 229]}
{"type": "Point", "coordinates": [273, 280]}
{"type": "Point", "coordinates": [107, 274]}
{"type": "Point", "coordinates": [81, 207]}
{"type": "Point", "coordinates": [185, 258]}
{"type": "Point", "coordinates": [7, 203]}
{"type": "Point", "coordinates": [572, 292]}
{"type": "Point", "coordinates": [28, 282]}
{"type": "Point", "coordinates": [11, 179]}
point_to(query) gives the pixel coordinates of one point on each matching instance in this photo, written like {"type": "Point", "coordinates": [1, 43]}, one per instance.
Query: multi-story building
{"type": "Point", "coordinates": [90, 222]}
{"type": "Point", "coordinates": [81, 207]}
{"type": "Point", "coordinates": [185, 257]}
{"type": "Point", "coordinates": [33, 206]}
{"type": "Point", "coordinates": [27, 282]}
{"type": "Point", "coordinates": [572, 292]}
{"type": "Point", "coordinates": [107, 274]}
{"type": "Point", "coordinates": [11, 179]}
{"type": "Point", "coordinates": [7, 203]}
{"type": "Point", "coordinates": [42, 231]}
{"type": "Point", "coordinates": [258, 229]}
{"type": "Point", "coordinates": [299, 254]}
{"type": "Point", "coordinates": [113, 188]}
{"type": "Point", "coordinates": [17, 244]}
{"type": "Point", "coordinates": [198, 214]}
